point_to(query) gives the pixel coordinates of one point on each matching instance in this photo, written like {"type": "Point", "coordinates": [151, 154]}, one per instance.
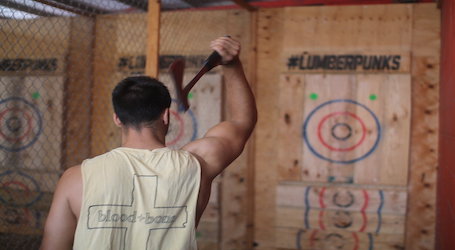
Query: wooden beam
{"type": "Point", "coordinates": [83, 6]}
{"type": "Point", "coordinates": [243, 4]}
{"type": "Point", "coordinates": [141, 5]}
{"type": "Point", "coordinates": [25, 8]}
{"type": "Point", "coordinates": [153, 38]}
{"type": "Point", "coordinates": [78, 92]}
{"type": "Point", "coordinates": [66, 8]}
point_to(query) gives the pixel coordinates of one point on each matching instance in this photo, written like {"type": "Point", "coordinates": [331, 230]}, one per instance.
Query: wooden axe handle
{"type": "Point", "coordinates": [176, 71]}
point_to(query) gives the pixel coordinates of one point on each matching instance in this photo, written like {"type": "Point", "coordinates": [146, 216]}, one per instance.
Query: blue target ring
{"type": "Point", "coordinates": [20, 182]}
{"type": "Point", "coordinates": [36, 115]}
{"type": "Point", "coordinates": [318, 154]}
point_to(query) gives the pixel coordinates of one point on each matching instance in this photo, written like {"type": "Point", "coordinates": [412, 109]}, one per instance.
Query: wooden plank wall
{"type": "Point", "coordinates": [285, 197]}
{"type": "Point", "coordinates": [407, 30]}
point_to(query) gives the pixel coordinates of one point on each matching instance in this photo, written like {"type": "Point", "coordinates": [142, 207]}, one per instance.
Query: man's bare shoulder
{"type": "Point", "coordinates": [214, 154]}
{"type": "Point", "coordinates": [72, 171]}
{"type": "Point", "coordinates": [70, 187]}
{"type": "Point", "coordinates": [62, 219]}
{"type": "Point", "coordinates": [71, 175]}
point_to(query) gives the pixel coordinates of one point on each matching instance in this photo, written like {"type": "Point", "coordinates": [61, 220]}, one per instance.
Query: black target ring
{"type": "Point", "coordinates": [20, 124]}
{"type": "Point", "coordinates": [342, 137]}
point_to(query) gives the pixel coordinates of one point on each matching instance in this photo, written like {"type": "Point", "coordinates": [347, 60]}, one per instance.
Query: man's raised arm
{"type": "Point", "coordinates": [224, 142]}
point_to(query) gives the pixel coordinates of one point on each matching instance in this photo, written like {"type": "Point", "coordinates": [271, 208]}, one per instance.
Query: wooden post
{"type": "Point", "coordinates": [421, 207]}
{"type": "Point", "coordinates": [153, 38]}
{"type": "Point", "coordinates": [78, 92]}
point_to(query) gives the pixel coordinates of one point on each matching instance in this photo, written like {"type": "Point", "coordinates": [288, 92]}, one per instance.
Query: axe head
{"type": "Point", "coordinates": [176, 70]}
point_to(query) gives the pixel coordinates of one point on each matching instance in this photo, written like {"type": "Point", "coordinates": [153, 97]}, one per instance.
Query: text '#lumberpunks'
{"type": "Point", "coordinates": [343, 62]}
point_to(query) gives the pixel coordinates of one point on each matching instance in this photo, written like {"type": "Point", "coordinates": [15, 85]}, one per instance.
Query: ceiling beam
{"type": "Point", "coordinates": [141, 5]}
{"type": "Point", "coordinates": [66, 8]}
{"type": "Point", "coordinates": [83, 6]}
{"type": "Point", "coordinates": [25, 8]}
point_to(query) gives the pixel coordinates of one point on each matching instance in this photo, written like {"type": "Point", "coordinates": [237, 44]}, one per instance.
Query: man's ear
{"type": "Point", "coordinates": [117, 121]}
{"type": "Point", "coordinates": [166, 117]}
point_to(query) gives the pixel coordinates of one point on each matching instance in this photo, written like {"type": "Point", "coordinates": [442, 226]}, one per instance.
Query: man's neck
{"type": "Point", "coordinates": [145, 138]}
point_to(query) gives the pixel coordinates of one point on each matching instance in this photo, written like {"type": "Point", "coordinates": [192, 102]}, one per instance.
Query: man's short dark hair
{"type": "Point", "coordinates": [140, 100]}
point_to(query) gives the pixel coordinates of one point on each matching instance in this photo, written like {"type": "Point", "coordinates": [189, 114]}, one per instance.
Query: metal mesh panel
{"type": "Point", "coordinates": [58, 61]}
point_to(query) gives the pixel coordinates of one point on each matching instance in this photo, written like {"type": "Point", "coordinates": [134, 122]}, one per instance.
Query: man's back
{"type": "Point", "coordinates": [141, 106]}
{"type": "Point", "coordinates": [139, 199]}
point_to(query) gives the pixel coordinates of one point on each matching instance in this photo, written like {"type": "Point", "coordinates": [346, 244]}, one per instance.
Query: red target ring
{"type": "Point", "coordinates": [14, 184]}
{"type": "Point", "coordinates": [182, 128]}
{"type": "Point", "coordinates": [339, 149]}
{"type": "Point", "coordinates": [26, 131]}
{"type": "Point", "coordinates": [16, 180]}
{"type": "Point", "coordinates": [20, 124]}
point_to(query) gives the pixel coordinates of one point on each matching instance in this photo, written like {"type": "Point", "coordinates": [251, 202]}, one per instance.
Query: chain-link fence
{"type": "Point", "coordinates": [50, 66]}
{"type": "Point", "coordinates": [59, 60]}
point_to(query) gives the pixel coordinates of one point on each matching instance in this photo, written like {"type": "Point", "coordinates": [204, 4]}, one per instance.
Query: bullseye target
{"type": "Point", "coordinates": [342, 131]}
{"type": "Point", "coordinates": [320, 239]}
{"type": "Point", "coordinates": [20, 124]}
{"type": "Point", "coordinates": [183, 127]}
{"type": "Point", "coordinates": [14, 182]}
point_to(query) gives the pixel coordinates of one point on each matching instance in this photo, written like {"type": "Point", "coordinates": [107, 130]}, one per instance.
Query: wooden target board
{"type": "Point", "coordinates": [352, 209]}
{"type": "Point", "coordinates": [340, 217]}
{"type": "Point", "coordinates": [354, 128]}
{"type": "Point", "coordinates": [31, 113]}
{"type": "Point", "coordinates": [294, 238]}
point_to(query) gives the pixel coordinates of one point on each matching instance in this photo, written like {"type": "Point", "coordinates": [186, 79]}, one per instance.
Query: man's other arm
{"type": "Point", "coordinates": [61, 221]}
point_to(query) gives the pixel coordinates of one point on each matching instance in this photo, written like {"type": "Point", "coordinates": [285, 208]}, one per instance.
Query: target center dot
{"type": "Point", "coordinates": [341, 131]}
{"type": "Point", "coordinates": [14, 124]}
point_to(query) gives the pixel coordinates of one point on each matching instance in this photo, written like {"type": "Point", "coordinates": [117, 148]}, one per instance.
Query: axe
{"type": "Point", "coordinates": [176, 70]}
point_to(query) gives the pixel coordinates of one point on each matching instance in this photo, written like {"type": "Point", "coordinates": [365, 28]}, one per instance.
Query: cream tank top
{"type": "Point", "coordinates": [136, 199]}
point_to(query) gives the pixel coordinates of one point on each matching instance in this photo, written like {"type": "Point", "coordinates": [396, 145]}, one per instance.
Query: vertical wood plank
{"type": "Point", "coordinates": [420, 226]}
{"type": "Point", "coordinates": [388, 165]}
{"type": "Point", "coordinates": [235, 181]}
{"type": "Point", "coordinates": [78, 92]}
{"type": "Point", "coordinates": [269, 37]}
{"type": "Point", "coordinates": [251, 146]}
{"type": "Point", "coordinates": [290, 143]}
{"type": "Point", "coordinates": [104, 134]}
{"type": "Point", "coordinates": [153, 37]}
